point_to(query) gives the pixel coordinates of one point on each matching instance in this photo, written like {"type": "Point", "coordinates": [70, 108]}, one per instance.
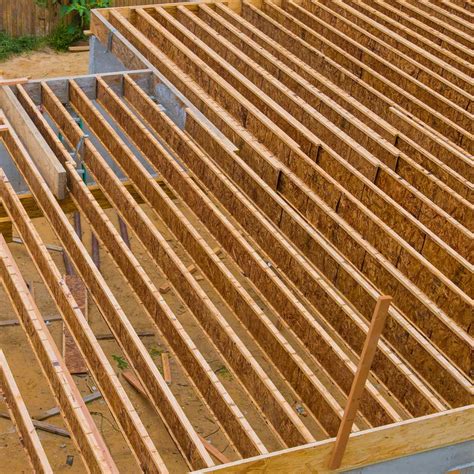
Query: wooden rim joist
{"type": "Point", "coordinates": [313, 156]}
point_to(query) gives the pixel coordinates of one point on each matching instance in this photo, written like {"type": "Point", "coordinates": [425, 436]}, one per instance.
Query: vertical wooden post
{"type": "Point", "coordinates": [366, 358]}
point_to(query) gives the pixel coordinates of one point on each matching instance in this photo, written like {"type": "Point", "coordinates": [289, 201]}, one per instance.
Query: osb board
{"type": "Point", "coordinates": [73, 359]}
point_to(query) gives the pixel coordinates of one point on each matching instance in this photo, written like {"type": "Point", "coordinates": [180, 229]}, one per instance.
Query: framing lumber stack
{"type": "Point", "coordinates": [325, 155]}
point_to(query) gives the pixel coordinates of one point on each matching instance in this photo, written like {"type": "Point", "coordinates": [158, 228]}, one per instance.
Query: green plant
{"type": "Point", "coordinates": [78, 15]}
{"type": "Point", "coordinates": [121, 362]}
{"type": "Point", "coordinates": [224, 373]}
{"type": "Point", "coordinates": [10, 46]}
{"type": "Point", "coordinates": [63, 36]}
{"type": "Point", "coordinates": [82, 9]}
{"type": "Point", "coordinates": [155, 352]}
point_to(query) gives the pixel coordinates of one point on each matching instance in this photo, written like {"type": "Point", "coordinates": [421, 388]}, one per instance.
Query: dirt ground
{"type": "Point", "coordinates": [45, 63]}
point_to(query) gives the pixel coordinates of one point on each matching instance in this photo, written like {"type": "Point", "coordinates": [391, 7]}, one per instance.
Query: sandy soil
{"type": "Point", "coordinates": [45, 63]}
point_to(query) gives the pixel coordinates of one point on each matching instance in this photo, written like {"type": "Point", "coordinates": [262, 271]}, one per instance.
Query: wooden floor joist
{"type": "Point", "coordinates": [271, 402]}
{"type": "Point", "coordinates": [121, 327]}
{"type": "Point", "coordinates": [21, 417]}
{"type": "Point", "coordinates": [88, 439]}
{"type": "Point", "coordinates": [277, 166]}
{"type": "Point", "coordinates": [194, 363]}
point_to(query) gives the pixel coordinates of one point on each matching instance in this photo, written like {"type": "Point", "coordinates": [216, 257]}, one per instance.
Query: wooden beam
{"type": "Point", "coordinates": [48, 165]}
{"type": "Point", "coordinates": [13, 82]}
{"type": "Point", "coordinates": [43, 426]}
{"type": "Point", "coordinates": [21, 418]}
{"type": "Point", "coordinates": [370, 346]}
{"type": "Point", "coordinates": [365, 447]}
{"type": "Point", "coordinates": [84, 431]}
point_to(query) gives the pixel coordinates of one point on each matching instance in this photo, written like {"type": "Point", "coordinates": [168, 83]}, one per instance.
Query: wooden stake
{"type": "Point", "coordinates": [358, 385]}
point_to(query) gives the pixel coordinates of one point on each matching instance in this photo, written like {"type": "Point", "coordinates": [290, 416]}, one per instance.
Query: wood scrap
{"type": "Point", "coordinates": [78, 49]}
{"type": "Point", "coordinates": [13, 82]}
{"type": "Point", "coordinates": [52, 247]}
{"type": "Point", "coordinates": [56, 410]}
{"type": "Point", "coordinates": [132, 379]}
{"type": "Point", "coordinates": [165, 361]}
{"type": "Point", "coordinates": [41, 425]}
{"type": "Point", "coordinates": [214, 451]}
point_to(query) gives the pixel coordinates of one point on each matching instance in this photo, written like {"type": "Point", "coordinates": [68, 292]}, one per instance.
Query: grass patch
{"type": "Point", "coordinates": [10, 46]}
{"type": "Point", "coordinates": [60, 40]}
{"type": "Point", "coordinates": [63, 36]}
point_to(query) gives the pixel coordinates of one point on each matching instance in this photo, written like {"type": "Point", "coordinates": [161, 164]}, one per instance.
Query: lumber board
{"type": "Point", "coordinates": [56, 410]}
{"type": "Point", "coordinates": [392, 441]}
{"type": "Point", "coordinates": [239, 357]}
{"type": "Point", "coordinates": [21, 418]}
{"type": "Point", "coordinates": [48, 165]}
{"type": "Point", "coordinates": [43, 426]}
{"type": "Point", "coordinates": [375, 330]}
{"type": "Point", "coordinates": [84, 432]}
{"type": "Point", "coordinates": [121, 407]}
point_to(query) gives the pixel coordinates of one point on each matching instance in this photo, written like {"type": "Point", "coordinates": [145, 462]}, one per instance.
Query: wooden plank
{"type": "Point", "coordinates": [370, 346]}
{"type": "Point", "coordinates": [73, 359]}
{"type": "Point", "coordinates": [20, 416]}
{"type": "Point", "coordinates": [76, 415]}
{"type": "Point", "coordinates": [56, 410]}
{"type": "Point", "coordinates": [13, 82]}
{"type": "Point", "coordinates": [214, 451]}
{"type": "Point", "coordinates": [48, 165]}
{"type": "Point", "coordinates": [391, 441]}
{"type": "Point", "coordinates": [121, 407]}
